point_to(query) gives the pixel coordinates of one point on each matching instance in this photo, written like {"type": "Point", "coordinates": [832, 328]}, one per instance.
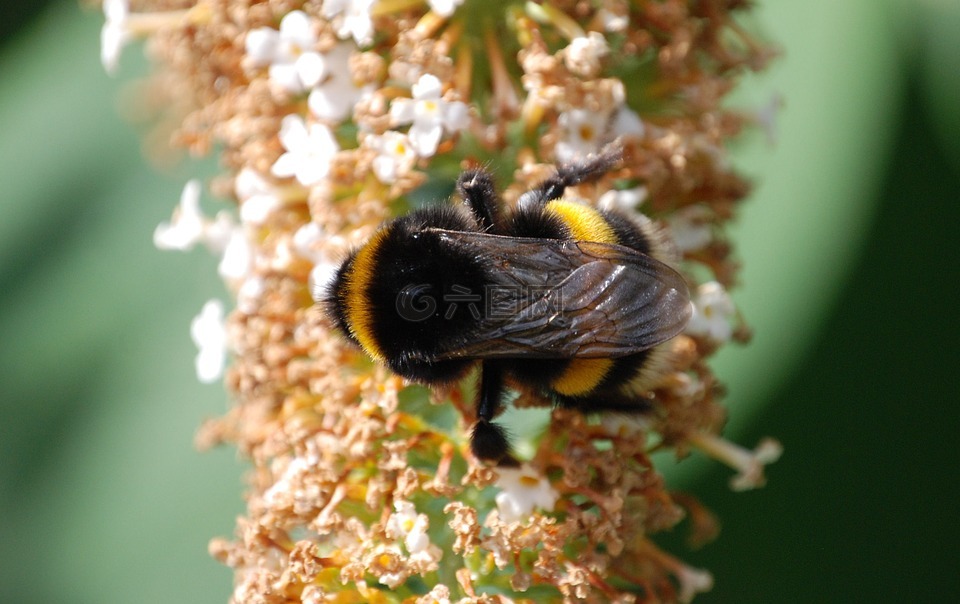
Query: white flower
{"type": "Point", "coordinates": [690, 228]}
{"type": "Point", "coordinates": [392, 571]}
{"type": "Point", "coordinates": [430, 115]}
{"type": "Point", "coordinates": [309, 151]}
{"type": "Point", "coordinates": [417, 540]}
{"type": "Point", "coordinates": [749, 464]}
{"type": "Point", "coordinates": [306, 239]}
{"type": "Point", "coordinates": [258, 198]}
{"type": "Point", "coordinates": [712, 313]}
{"type": "Point", "coordinates": [402, 521]}
{"type": "Point", "coordinates": [406, 525]}
{"type": "Point", "coordinates": [522, 490]}
{"type": "Point", "coordinates": [294, 65]}
{"type": "Point", "coordinates": [306, 244]}
{"type": "Point", "coordinates": [625, 200]}
{"type": "Point", "coordinates": [115, 33]}
{"type": "Point", "coordinates": [395, 155]}
{"type": "Point", "coordinates": [249, 294]}
{"type": "Point", "coordinates": [444, 8]}
{"type": "Point", "coordinates": [189, 226]}
{"type": "Point", "coordinates": [237, 260]}
{"type": "Point", "coordinates": [692, 581]}
{"type": "Point", "coordinates": [580, 133]}
{"type": "Point", "coordinates": [210, 335]}
{"type": "Point", "coordinates": [626, 122]}
{"type": "Point", "coordinates": [611, 21]}
{"type": "Point", "coordinates": [352, 19]}
{"type": "Point", "coordinates": [582, 56]}
{"type": "Point", "coordinates": [336, 95]}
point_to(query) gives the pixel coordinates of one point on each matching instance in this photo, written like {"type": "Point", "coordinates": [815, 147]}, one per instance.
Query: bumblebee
{"type": "Point", "coordinates": [556, 296]}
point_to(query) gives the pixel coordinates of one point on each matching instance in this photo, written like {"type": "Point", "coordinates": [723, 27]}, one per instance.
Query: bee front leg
{"type": "Point", "coordinates": [478, 192]}
{"type": "Point", "coordinates": [489, 440]}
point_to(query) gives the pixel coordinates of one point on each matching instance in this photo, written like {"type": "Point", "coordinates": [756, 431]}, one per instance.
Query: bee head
{"type": "Point", "coordinates": [409, 294]}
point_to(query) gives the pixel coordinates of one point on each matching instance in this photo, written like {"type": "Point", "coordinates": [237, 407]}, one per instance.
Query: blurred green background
{"type": "Point", "coordinates": [849, 253]}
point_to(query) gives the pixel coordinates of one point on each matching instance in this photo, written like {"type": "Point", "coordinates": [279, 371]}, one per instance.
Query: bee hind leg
{"type": "Point", "coordinates": [488, 441]}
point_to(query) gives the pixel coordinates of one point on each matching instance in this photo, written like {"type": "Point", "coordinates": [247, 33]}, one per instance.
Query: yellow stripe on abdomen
{"type": "Point", "coordinates": [359, 315]}
{"type": "Point", "coordinates": [581, 376]}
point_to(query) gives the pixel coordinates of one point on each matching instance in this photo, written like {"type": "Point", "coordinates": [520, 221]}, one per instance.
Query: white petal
{"type": "Point", "coordinates": [321, 140]}
{"type": "Point", "coordinates": [261, 45]}
{"type": "Point", "coordinates": [425, 140]}
{"type": "Point", "coordinates": [116, 10]}
{"type": "Point", "coordinates": [444, 8]}
{"type": "Point", "coordinates": [328, 103]}
{"type": "Point", "coordinates": [455, 116]}
{"type": "Point", "coordinates": [187, 227]}
{"type": "Point", "coordinates": [357, 22]}
{"type": "Point", "coordinates": [296, 28]}
{"type": "Point", "coordinates": [257, 208]}
{"type": "Point", "coordinates": [286, 165]}
{"type": "Point", "coordinates": [181, 236]}
{"type": "Point", "coordinates": [248, 183]}
{"type": "Point", "coordinates": [417, 540]}
{"type": "Point", "coordinates": [428, 87]}
{"type": "Point", "coordinates": [209, 334]}
{"type": "Point", "coordinates": [627, 122]}
{"type": "Point", "coordinates": [249, 295]}
{"type": "Point", "coordinates": [402, 111]}
{"type": "Point", "coordinates": [285, 76]}
{"type": "Point", "coordinates": [311, 68]}
{"type": "Point", "coordinates": [293, 133]}
{"type": "Point", "coordinates": [217, 234]}
{"type": "Point", "coordinates": [113, 37]}
{"type": "Point", "coordinates": [306, 239]}
{"type": "Point", "coordinates": [237, 258]}
{"type": "Point", "coordinates": [209, 364]}
{"type": "Point", "coordinates": [332, 8]}
{"type": "Point", "coordinates": [309, 173]}
{"type": "Point", "coordinates": [691, 229]}
{"type": "Point", "coordinates": [385, 169]}
{"type": "Point", "coordinates": [339, 58]}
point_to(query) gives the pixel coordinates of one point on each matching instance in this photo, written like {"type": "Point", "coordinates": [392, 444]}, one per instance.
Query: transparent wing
{"type": "Point", "coordinates": [551, 298]}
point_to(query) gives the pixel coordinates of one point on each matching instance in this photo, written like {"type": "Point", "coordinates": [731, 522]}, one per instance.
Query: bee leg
{"type": "Point", "coordinates": [489, 440]}
{"type": "Point", "coordinates": [479, 193]}
{"type": "Point", "coordinates": [574, 173]}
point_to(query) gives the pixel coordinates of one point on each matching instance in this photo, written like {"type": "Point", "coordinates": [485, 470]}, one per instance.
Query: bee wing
{"type": "Point", "coordinates": [552, 298]}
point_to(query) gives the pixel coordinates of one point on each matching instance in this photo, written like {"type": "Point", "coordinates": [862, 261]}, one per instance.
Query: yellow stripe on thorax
{"type": "Point", "coordinates": [581, 376]}
{"type": "Point", "coordinates": [359, 315]}
{"type": "Point", "coordinates": [585, 223]}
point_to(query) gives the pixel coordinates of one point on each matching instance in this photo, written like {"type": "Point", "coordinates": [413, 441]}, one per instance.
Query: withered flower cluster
{"type": "Point", "coordinates": [330, 116]}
